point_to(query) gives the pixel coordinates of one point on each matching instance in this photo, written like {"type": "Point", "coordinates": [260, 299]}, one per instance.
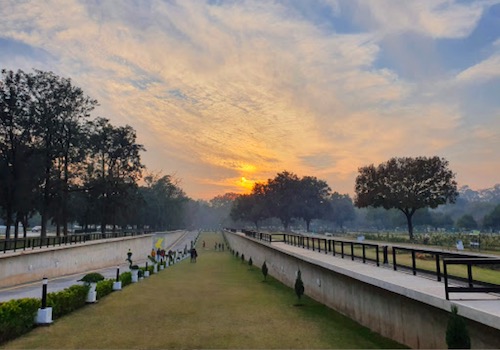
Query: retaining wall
{"type": "Point", "coordinates": [408, 321]}
{"type": "Point", "coordinates": [32, 265]}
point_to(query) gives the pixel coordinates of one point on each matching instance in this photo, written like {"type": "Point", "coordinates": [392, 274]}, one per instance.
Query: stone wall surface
{"type": "Point", "coordinates": [32, 265]}
{"type": "Point", "coordinates": [410, 322]}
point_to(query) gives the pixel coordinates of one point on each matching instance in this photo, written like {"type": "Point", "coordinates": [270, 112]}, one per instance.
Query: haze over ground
{"type": "Point", "coordinates": [225, 93]}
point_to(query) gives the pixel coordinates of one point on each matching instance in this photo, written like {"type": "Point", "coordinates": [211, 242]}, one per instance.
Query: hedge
{"type": "Point", "coordinates": [17, 317]}
{"type": "Point", "coordinates": [67, 300]}
{"type": "Point", "coordinates": [104, 288]}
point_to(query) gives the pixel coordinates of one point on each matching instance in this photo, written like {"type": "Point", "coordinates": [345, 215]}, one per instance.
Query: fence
{"type": "Point", "coordinates": [14, 244]}
{"type": "Point", "coordinates": [371, 252]}
{"type": "Point", "coordinates": [471, 288]}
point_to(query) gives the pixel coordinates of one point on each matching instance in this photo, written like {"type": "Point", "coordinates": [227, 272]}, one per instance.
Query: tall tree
{"type": "Point", "coordinates": [312, 199]}
{"type": "Point", "coordinates": [59, 111]}
{"type": "Point", "coordinates": [406, 184]}
{"type": "Point", "coordinates": [18, 168]}
{"type": "Point", "coordinates": [114, 166]}
{"type": "Point", "coordinates": [281, 194]}
{"type": "Point", "coordinates": [341, 209]}
{"type": "Point", "coordinates": [250, 207]}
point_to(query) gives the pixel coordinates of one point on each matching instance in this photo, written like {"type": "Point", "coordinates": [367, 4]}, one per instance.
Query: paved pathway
{"type": "Point", "coordinates": [34, 289]}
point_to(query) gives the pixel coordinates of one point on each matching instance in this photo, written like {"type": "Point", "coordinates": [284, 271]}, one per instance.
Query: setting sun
{"type": "Point", "coordinates": [246, 184]}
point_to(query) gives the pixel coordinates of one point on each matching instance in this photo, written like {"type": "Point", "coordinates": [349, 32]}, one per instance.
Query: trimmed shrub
{"type": "Point", "coordinates": [17, 317]}
{"type": "Point", "coordinates": [250, 262]}
{"type": "Point", "coordinates": [92, 277]}
{"type": "Point", "coordinates": [457, 335]}
{"type": "Point", "coordinates": [243, 257]}
{"type": "Point", "coordinates": [299, 285]}
{"type": "Point", "coordinates": [264, 270]}
{"type": "Point", "coordinates": [67, 300]}
{"type": "Point", "coordinates": [126, 278]}
{"type": "Point", "coordinates": [104, 288]}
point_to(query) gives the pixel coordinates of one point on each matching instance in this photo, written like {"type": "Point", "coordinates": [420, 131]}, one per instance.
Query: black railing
{"type": "Point", "coordinates": [330, 245]}
{"type": "Point", "coordinates": [428, 262]}
{"type": "Point", "coordinates": [472, 286]}
{"type": "Point", "coordinates": [24, 243]}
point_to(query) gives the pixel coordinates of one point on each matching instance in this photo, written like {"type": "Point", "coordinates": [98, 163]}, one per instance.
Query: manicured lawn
{"type": "Point", "coordinates": [218, 302]}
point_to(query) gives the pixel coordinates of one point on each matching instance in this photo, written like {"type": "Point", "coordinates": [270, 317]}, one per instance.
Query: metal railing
{"type": "Point", "coordinates": [471, 286]}
{"type": "Point", "coordinates": [380, 255]}
{"type": "Point", "coordinates": [24, 243]}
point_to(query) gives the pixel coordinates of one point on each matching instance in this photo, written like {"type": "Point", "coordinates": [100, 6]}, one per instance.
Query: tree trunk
{"type": "Point", "coordinates": [409, 214]}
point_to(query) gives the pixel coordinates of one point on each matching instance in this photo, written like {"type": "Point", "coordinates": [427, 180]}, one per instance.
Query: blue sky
{"type": "Point", "coordinates": [225, 93]}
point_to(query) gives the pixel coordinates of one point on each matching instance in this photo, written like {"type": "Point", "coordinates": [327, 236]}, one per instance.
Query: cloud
{"type": "Point", "coordinates": [434, 18]}
{"type": "Point", "coordinates": [246, 89]}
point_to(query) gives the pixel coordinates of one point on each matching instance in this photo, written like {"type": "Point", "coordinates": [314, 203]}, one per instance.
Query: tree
{"type": "Point", "coordinates": [58, 112]}
{"type": "Point", "coordinates": [457, 335]}
{"type": "Point", "coordinates": [19, 160]}
{"type": "Point", "coordinates": [113, 168]}
{"type": "Point", "coordinates": [299, 285]}
{"type": "Point", "coordinates": [162, 202]}
{"type": "Point", "coordinates": [466, 222]}
{"type": "Point", "coordinates": [251, 207]}
{"type": "Point", "coordinates": [312, 199]}
{"type": "Point", "coordinates": [492, 220]}
{"type": "Point", "coordinates": [281, 194]}
{"type": "Point", "coordinates": [341, 209]}
{"type": "Point", "coordinates": [406, 184]}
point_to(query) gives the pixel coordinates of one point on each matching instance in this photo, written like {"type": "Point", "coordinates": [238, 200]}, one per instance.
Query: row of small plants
{"type": "Point", "coordinates": [17, 316]}
{"type": "Point", "coordinates": [457, 334]}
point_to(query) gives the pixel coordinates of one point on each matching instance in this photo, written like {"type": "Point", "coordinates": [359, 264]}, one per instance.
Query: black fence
{"type": "Point", "coordinates": [471, 286]}
{"type": "Point", "coordinates": [25, 243]}
{"type": "Point", "coordinates": [428, 262]}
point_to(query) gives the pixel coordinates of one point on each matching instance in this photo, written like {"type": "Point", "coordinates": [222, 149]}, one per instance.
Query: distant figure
{"type": "Point", "coordinates": [194, 255]}
{"type": "Point", "coordinates": [153, 253]}
{"type": "Point", "coordinates": [203, 244]}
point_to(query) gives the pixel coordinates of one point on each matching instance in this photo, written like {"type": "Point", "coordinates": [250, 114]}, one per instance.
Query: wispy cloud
{"type": "Point", "coordinates": [244, 89]}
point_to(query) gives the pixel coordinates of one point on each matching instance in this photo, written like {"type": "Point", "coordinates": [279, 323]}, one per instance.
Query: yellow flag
{"type": "Point", "coordinates": [159, 242]}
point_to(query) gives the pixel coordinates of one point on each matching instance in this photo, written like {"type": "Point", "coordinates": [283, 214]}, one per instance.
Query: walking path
{"type": "Point", "coordinates": [34, 289]}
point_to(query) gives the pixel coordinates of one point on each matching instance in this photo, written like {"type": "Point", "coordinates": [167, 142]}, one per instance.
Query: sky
{"type": "Point", "coordinates": [226, 93]}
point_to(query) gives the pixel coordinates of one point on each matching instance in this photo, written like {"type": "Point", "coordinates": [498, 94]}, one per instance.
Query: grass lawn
{"type": "Point", "coordinates": [218, 302]}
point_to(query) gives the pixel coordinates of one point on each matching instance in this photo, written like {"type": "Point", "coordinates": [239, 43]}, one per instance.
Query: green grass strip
{"type": "Point", "coordinates": [218, 302]}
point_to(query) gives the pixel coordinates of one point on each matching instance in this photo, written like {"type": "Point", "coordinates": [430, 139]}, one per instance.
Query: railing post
{"type": "Point", "coordinates": [394, 265]}
{"type": "Point", "coordinates": [445, 280]}
{"type": "Point", "coordinates": [329, 245]}
{"type": "Point", "coordinates": [469, 275]}
{"type": "Point", "coordinates": [307, 242]}
{"type": "Point", "coordinates": [413, 262]}
{"type": "Point", "coordinates": [333, 247]}
{"type": "Point", "coordinates": [352, 251]}
{"type": "Point", "coordinates": [377, 253]}
{"type": "Point", "coordinates": [364, 255]}
{"type": "Point", "coordinates": [342, 248]}
{"type": "Point", "coordinates": [438, 268]}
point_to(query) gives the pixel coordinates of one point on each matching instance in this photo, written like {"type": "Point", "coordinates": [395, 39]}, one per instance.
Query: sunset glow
{"type": "Point", "coordinates": [226, 93]}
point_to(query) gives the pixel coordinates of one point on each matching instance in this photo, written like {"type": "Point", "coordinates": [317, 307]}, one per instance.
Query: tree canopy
{"type": "Point", "coordinates": [406, 184]}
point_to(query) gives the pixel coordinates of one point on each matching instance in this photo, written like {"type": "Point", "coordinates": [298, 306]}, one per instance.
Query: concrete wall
{"type": "Point", "coordinates": [32, 265]}
{"type": "Point", "coordinates": [392, 315]}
